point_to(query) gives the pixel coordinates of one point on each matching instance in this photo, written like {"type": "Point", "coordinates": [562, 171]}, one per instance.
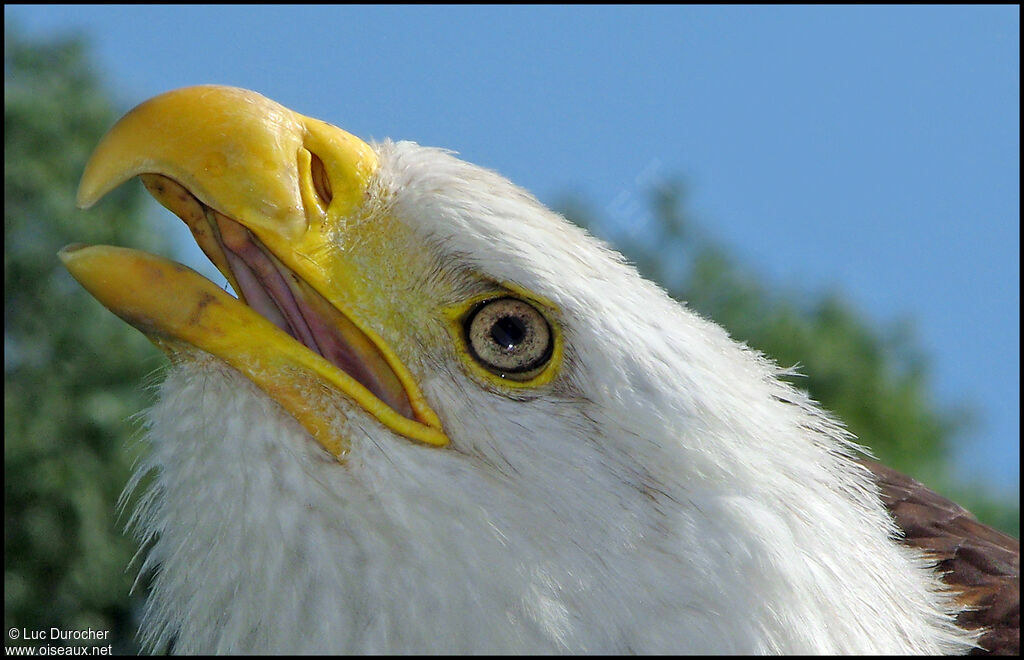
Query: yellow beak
{"type": "Point", "coordinates": [265, 191]}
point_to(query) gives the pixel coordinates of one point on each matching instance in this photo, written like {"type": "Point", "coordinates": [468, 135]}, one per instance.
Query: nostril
{"type": "Point", "coordinates": [321, 184]}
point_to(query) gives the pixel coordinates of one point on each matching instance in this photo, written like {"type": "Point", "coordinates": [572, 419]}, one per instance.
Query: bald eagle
{"type": "Point", "coordinates": [438, 418]}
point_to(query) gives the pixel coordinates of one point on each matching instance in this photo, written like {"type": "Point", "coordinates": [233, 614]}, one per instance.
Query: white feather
{"type": "Point", "coordinates": [667, 494]}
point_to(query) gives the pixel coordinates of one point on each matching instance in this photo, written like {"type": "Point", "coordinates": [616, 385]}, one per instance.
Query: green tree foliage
{"type": "Point", "coordinates": [71, 369]}
{"type": "Point", "coordinates": [875, 380]}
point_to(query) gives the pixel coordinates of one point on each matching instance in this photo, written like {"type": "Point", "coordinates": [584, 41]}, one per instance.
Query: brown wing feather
{"type": "Point", "coordinates": [979, 562]}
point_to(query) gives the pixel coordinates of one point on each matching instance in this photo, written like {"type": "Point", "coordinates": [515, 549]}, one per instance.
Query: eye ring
{"type": "Point", "coordinates": [509, 337]}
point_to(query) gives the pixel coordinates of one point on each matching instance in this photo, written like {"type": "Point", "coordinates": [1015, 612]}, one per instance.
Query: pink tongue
{"type": "Point", "coordinates": [265, 290]}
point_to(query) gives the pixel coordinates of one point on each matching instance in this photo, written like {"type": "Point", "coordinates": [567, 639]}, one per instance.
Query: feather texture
{"type": "Point", "coordinates": [982, 564]}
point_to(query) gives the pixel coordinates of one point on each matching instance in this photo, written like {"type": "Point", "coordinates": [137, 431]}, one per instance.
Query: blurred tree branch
{"type": "Point", "coordinates": [71, 369]}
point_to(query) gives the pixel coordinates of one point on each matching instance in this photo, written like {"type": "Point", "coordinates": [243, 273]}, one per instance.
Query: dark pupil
{"type": "Point", "coordinates": [508, 331]}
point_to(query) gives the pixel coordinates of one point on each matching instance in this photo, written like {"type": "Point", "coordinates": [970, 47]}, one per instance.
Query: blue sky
{"type": "Point", "coordinates": [870, 151]}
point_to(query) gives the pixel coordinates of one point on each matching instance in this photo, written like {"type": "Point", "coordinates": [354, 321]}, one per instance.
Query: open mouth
{"type": "Point", "coordinates": [261, 188]}
{"type": "Point", "coordinates": [282, 297]}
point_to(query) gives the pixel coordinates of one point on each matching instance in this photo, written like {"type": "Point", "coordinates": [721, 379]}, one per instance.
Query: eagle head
{"type": "Point", "coordinates": [439, 418]}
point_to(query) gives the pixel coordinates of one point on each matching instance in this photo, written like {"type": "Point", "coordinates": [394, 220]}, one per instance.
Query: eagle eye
{"type": "Point", "coordinates": [509, 337]}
